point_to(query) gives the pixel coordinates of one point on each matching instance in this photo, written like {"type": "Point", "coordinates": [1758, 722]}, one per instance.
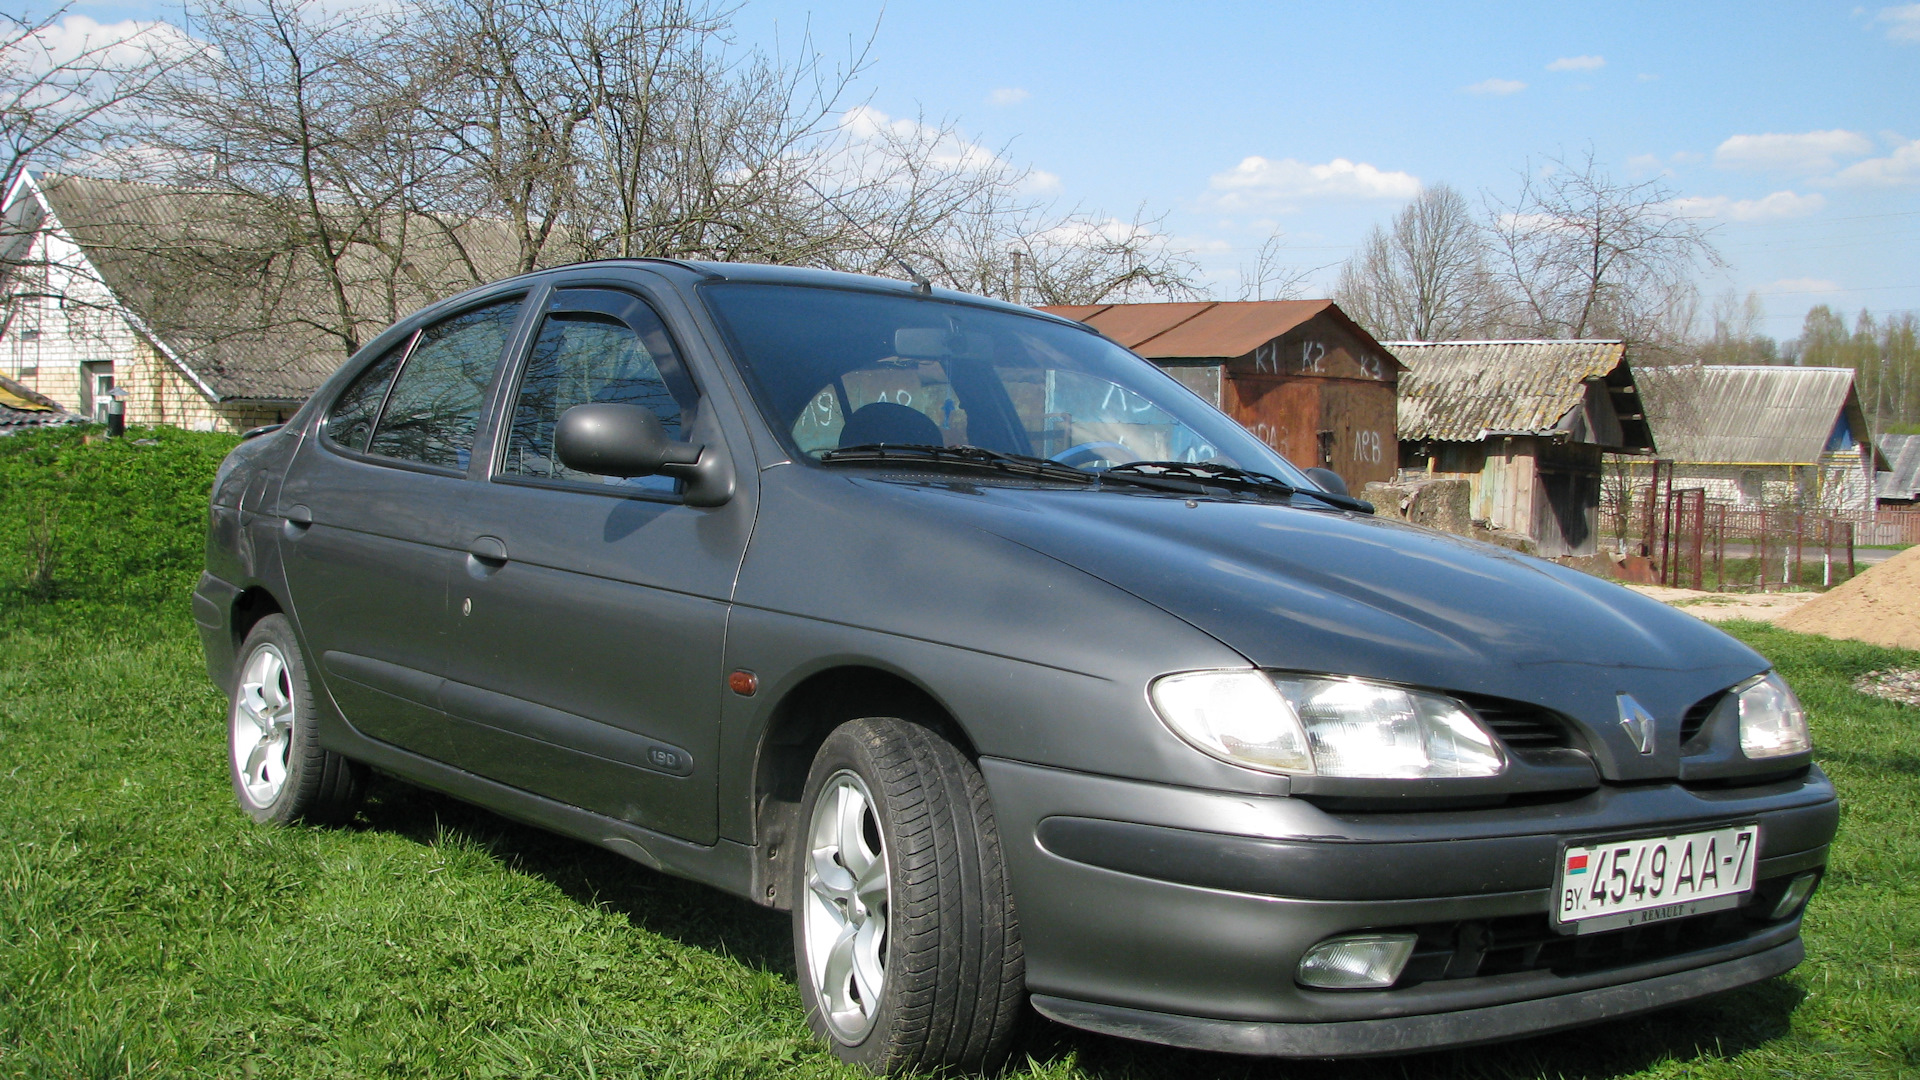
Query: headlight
{"type": "Point", "coordinates": [1325, 725]}
{"type": "Point", "coordinates": [1772, 723]}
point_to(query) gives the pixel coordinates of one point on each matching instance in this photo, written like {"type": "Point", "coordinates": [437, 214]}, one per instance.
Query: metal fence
{"type": "Point", "coordinates": [1691, 541]}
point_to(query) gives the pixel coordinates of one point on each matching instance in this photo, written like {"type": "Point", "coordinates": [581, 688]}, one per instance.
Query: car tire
{"type": "Point", "coordinates": [944, 945]}
{"type": "Point", "coordinates": [280, 773]}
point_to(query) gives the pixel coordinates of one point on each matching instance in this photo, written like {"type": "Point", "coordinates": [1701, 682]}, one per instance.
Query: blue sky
{"type": "Point", "coordinates": [1162, 103]}
{"type": "Point", "coordinates": [1786, 125]}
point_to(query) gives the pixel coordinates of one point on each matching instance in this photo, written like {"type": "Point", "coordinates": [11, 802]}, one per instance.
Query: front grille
{"type": "Point", "coordinates": [1521, 943]}
{"type": "Point", "coordinates": [1696, 717]}
{"type": "Point", "coordinates": [1522, 726]}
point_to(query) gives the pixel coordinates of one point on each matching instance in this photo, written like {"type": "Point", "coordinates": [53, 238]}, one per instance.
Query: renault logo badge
{"type": "Point", "coordinates": [1637, 722]}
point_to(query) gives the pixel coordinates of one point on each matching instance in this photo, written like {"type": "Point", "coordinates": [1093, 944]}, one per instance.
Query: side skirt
{"type": "Point", "coordinates": [726, 864]}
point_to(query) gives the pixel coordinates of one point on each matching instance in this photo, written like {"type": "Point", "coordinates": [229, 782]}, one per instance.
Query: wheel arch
{"type": "Point", "coordinates": [252, 604]}
{"type": "Point", "coordinates": [799, 722]}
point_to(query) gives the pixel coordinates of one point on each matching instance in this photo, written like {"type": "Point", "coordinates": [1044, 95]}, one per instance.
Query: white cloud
{"type": "Point", "coordinates": [1780, 204]}
{"type": "Point", "coordinates": [1903, 22]}
{"type": "Point", "coordinates": [1040, 182]}
{"type": "Point", "coordinates": [1578, 63]}
{"type": "Point", "coordinates": [1898, 168]}
{"type": "Point", "coordinates": [1260, 182]}
{"type": "Point", "coordinates": [1801, 285]}
{"type": "Point", "coordinates": [1811, 151]}
{"type": "Point", "coordinates": [1642, 164]}
{"type": "Point", "coordinates": [871, 129]}
{"type": "Point", "coordinates": [1008, 95]}
{"type": "Point", "coordinates": [1647, 76]}
{"type": "Point", "coordinates": [120, 45]}
{"type": "Point", "coordinates": [1495, 87]}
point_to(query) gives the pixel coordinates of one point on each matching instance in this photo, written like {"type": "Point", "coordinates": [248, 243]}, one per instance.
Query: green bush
{"type": "Point", "coordinates": [97, 522]}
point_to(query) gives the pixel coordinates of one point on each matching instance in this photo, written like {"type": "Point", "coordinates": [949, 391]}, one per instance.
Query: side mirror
{"type": "Point", "coordinates": [628, 440]}
{"type": "Point", "coordinates": [1328, 481]}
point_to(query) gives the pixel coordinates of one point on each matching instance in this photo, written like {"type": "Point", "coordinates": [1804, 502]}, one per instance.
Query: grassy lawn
{"type": "Point", "coordinates": [148, 929]}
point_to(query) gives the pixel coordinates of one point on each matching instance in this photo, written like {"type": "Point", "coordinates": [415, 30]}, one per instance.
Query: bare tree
{"type": "Point", "coordinates": [1426, 278]}
{"type": "Point", "coordinates": [1271, 277]}
{"type": "Point", "coordinates": [57, 103]}
{"type": "Point", "coordinates": [1584, 255]}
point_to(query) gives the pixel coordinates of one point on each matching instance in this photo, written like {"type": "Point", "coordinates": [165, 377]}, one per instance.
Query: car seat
{"type": "Point", "coordinates": [886, 422]}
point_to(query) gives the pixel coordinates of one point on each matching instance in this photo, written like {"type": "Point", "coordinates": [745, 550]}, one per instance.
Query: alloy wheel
{"type": "Point", "coordinates": [262, 725]}
{"type": "Point", "coordinates": [847, 899]}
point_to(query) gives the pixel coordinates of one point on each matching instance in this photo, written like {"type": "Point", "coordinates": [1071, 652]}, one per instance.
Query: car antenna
{"type": "Point", "coordinates": [920, 284]}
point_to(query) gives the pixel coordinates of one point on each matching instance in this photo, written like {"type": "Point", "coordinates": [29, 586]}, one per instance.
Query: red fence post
{"type": "Point", "coordinates": [1700, 535]}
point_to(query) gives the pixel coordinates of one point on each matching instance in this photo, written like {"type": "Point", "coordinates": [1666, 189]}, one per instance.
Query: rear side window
{"type": "Point", "coordinates": [351, 419]}
{"type": "Point", "coordinates": [436, 402]}
{"type": "Point", "coordinates": [595, 346]}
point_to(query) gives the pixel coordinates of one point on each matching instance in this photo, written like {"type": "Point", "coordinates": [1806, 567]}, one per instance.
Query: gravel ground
{"type": "Point", "coordinates": [1894, 684]}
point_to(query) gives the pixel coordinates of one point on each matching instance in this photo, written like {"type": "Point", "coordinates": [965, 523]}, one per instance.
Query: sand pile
{"type": "Point", "coordinates": [1882, 606]}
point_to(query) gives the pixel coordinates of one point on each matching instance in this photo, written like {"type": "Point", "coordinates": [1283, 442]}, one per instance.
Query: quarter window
{"type": "Point", "coordinates": [351, 419]}
{"type": "Point", "coordinates": [595, 346]}
{"type": "Point", "coordinates": [436, 402]}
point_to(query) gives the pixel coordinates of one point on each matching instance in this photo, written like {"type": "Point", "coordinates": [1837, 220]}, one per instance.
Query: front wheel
{"type": "Point", "coordinates": [280, 773]}
{"type": "Point", "coordinates": [904, 934]}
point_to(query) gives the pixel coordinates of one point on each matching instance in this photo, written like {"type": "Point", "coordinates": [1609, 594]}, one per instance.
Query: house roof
{"type": "Point", "coordinates": [1751, 414]}
{"type": "Point", "coordinates": [1901, 480]}
{"type": "Point", "coordinates": [1204, 329]}
{"type": "Point", "coordinates": [23, 408]}
{"type": "Point", "coordinates": [205, 274]}
{"type": "Point", "coordinates": [1465, 391]}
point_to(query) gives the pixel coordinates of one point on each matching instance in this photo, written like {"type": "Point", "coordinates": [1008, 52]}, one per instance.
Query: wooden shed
{"type": "Point", "coordinates": [1527, 423]}
{"type": "Point", "coordinates": [1297, 373]}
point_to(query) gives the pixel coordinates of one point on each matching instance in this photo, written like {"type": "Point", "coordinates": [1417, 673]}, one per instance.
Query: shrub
{"type": "Point", "coordinates": [105, 522]}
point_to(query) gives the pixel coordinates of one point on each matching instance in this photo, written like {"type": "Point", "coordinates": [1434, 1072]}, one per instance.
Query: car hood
{"type": "Point", "coordinates": [1322, 591]}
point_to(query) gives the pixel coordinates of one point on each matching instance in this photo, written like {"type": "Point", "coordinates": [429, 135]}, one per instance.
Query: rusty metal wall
{"type": "Point", "coordinates": [1321, 398]}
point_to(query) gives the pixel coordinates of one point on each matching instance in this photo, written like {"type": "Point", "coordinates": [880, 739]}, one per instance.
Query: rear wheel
{"type": "Point", "coordinates": [904, 934]}
{"type": "Point", "coordinates": [280, 773]}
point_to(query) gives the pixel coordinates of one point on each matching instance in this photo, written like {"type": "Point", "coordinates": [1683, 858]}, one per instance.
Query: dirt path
{"type": "Point", "coordinates": [1720, 607]}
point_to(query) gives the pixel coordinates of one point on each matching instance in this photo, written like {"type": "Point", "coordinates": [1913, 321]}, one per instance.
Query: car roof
{"type": "Point", "coordinates": [769, 274]}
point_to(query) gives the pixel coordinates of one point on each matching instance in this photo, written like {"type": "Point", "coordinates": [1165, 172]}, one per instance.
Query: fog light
{"type": "Point", "coordinates": [1359, 962]}
{"type": "Point", "coordinates": [1795, 895]}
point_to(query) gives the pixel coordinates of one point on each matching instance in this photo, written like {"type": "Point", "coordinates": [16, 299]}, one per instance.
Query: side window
{"type": "Point", "coordinates": [351, 419]}
{"type": "Point", "coordinates": [595, 345]}
{"type": "Point", "coordinates": [436, 401]}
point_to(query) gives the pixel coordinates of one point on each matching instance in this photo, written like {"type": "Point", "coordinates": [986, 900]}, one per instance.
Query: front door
{"type": "Point", "coordinates": [589, 613]}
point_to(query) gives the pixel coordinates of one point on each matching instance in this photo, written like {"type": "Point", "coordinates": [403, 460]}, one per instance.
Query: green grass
{"type": "Point", "coordinates": [148, 929]}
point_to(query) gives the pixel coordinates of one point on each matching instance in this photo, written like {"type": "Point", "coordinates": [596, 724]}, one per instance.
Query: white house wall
{"type": "Point", "coordinates": [75, 321]}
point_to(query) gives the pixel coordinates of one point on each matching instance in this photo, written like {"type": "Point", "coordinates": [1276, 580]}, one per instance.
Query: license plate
{"type": "Point", "coordinates": [1605, 886]}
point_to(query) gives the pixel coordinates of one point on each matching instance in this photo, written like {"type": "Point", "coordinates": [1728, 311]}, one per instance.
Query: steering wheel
{"type": "Point", "coordinates": [1088, 452]}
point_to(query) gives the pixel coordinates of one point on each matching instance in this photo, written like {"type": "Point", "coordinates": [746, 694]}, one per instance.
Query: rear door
{"type": "Point", "coordinates": [373, 506]}
{"type": "Point", "coordinates": [590, 612]}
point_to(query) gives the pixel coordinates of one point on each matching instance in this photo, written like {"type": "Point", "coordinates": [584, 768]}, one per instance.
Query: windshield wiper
{"type": "Point", "coordinates": [976, 457]}
{"type": "Point", "coordinates": [1213, 472]}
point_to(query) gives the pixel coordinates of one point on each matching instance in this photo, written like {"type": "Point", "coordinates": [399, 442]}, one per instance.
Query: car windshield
{"type": "Point", "coordinates": [838, 368]}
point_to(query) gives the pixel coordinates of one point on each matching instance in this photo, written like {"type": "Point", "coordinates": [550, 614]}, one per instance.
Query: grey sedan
{"type": "Point", "coordinates": [1019, 675]}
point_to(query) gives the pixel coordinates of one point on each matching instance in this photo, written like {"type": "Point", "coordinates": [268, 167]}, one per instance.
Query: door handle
{"type": "Point", "coordinates": [299, 520]}
{"type": "Point", "coordinates": [488, 549]}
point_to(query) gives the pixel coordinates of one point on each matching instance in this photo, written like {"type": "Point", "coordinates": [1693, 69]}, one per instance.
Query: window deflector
{"type": "Point", "coordinates": [615, 305]}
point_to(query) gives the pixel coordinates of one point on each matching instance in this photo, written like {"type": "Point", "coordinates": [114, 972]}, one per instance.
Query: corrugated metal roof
{"type": "Point", "coordinates": [205, 273]}
{"type": "Point", "coordinates": [23, 408]}
{"type": "Point", "coordinates": [1750, 414]}
{"type": "Point", "coordinates": [1205, 329]}
{"type": "Point", "coordinates": [1464, 391]}
{"type": "Point", "coordinates": [1901, 480]}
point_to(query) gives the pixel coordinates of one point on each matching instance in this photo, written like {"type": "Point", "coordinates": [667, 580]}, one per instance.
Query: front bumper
{"type": "Point", "coordinates": [1179, 915]}
{"type": "Point", "coordinates": [1409, 1034]}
